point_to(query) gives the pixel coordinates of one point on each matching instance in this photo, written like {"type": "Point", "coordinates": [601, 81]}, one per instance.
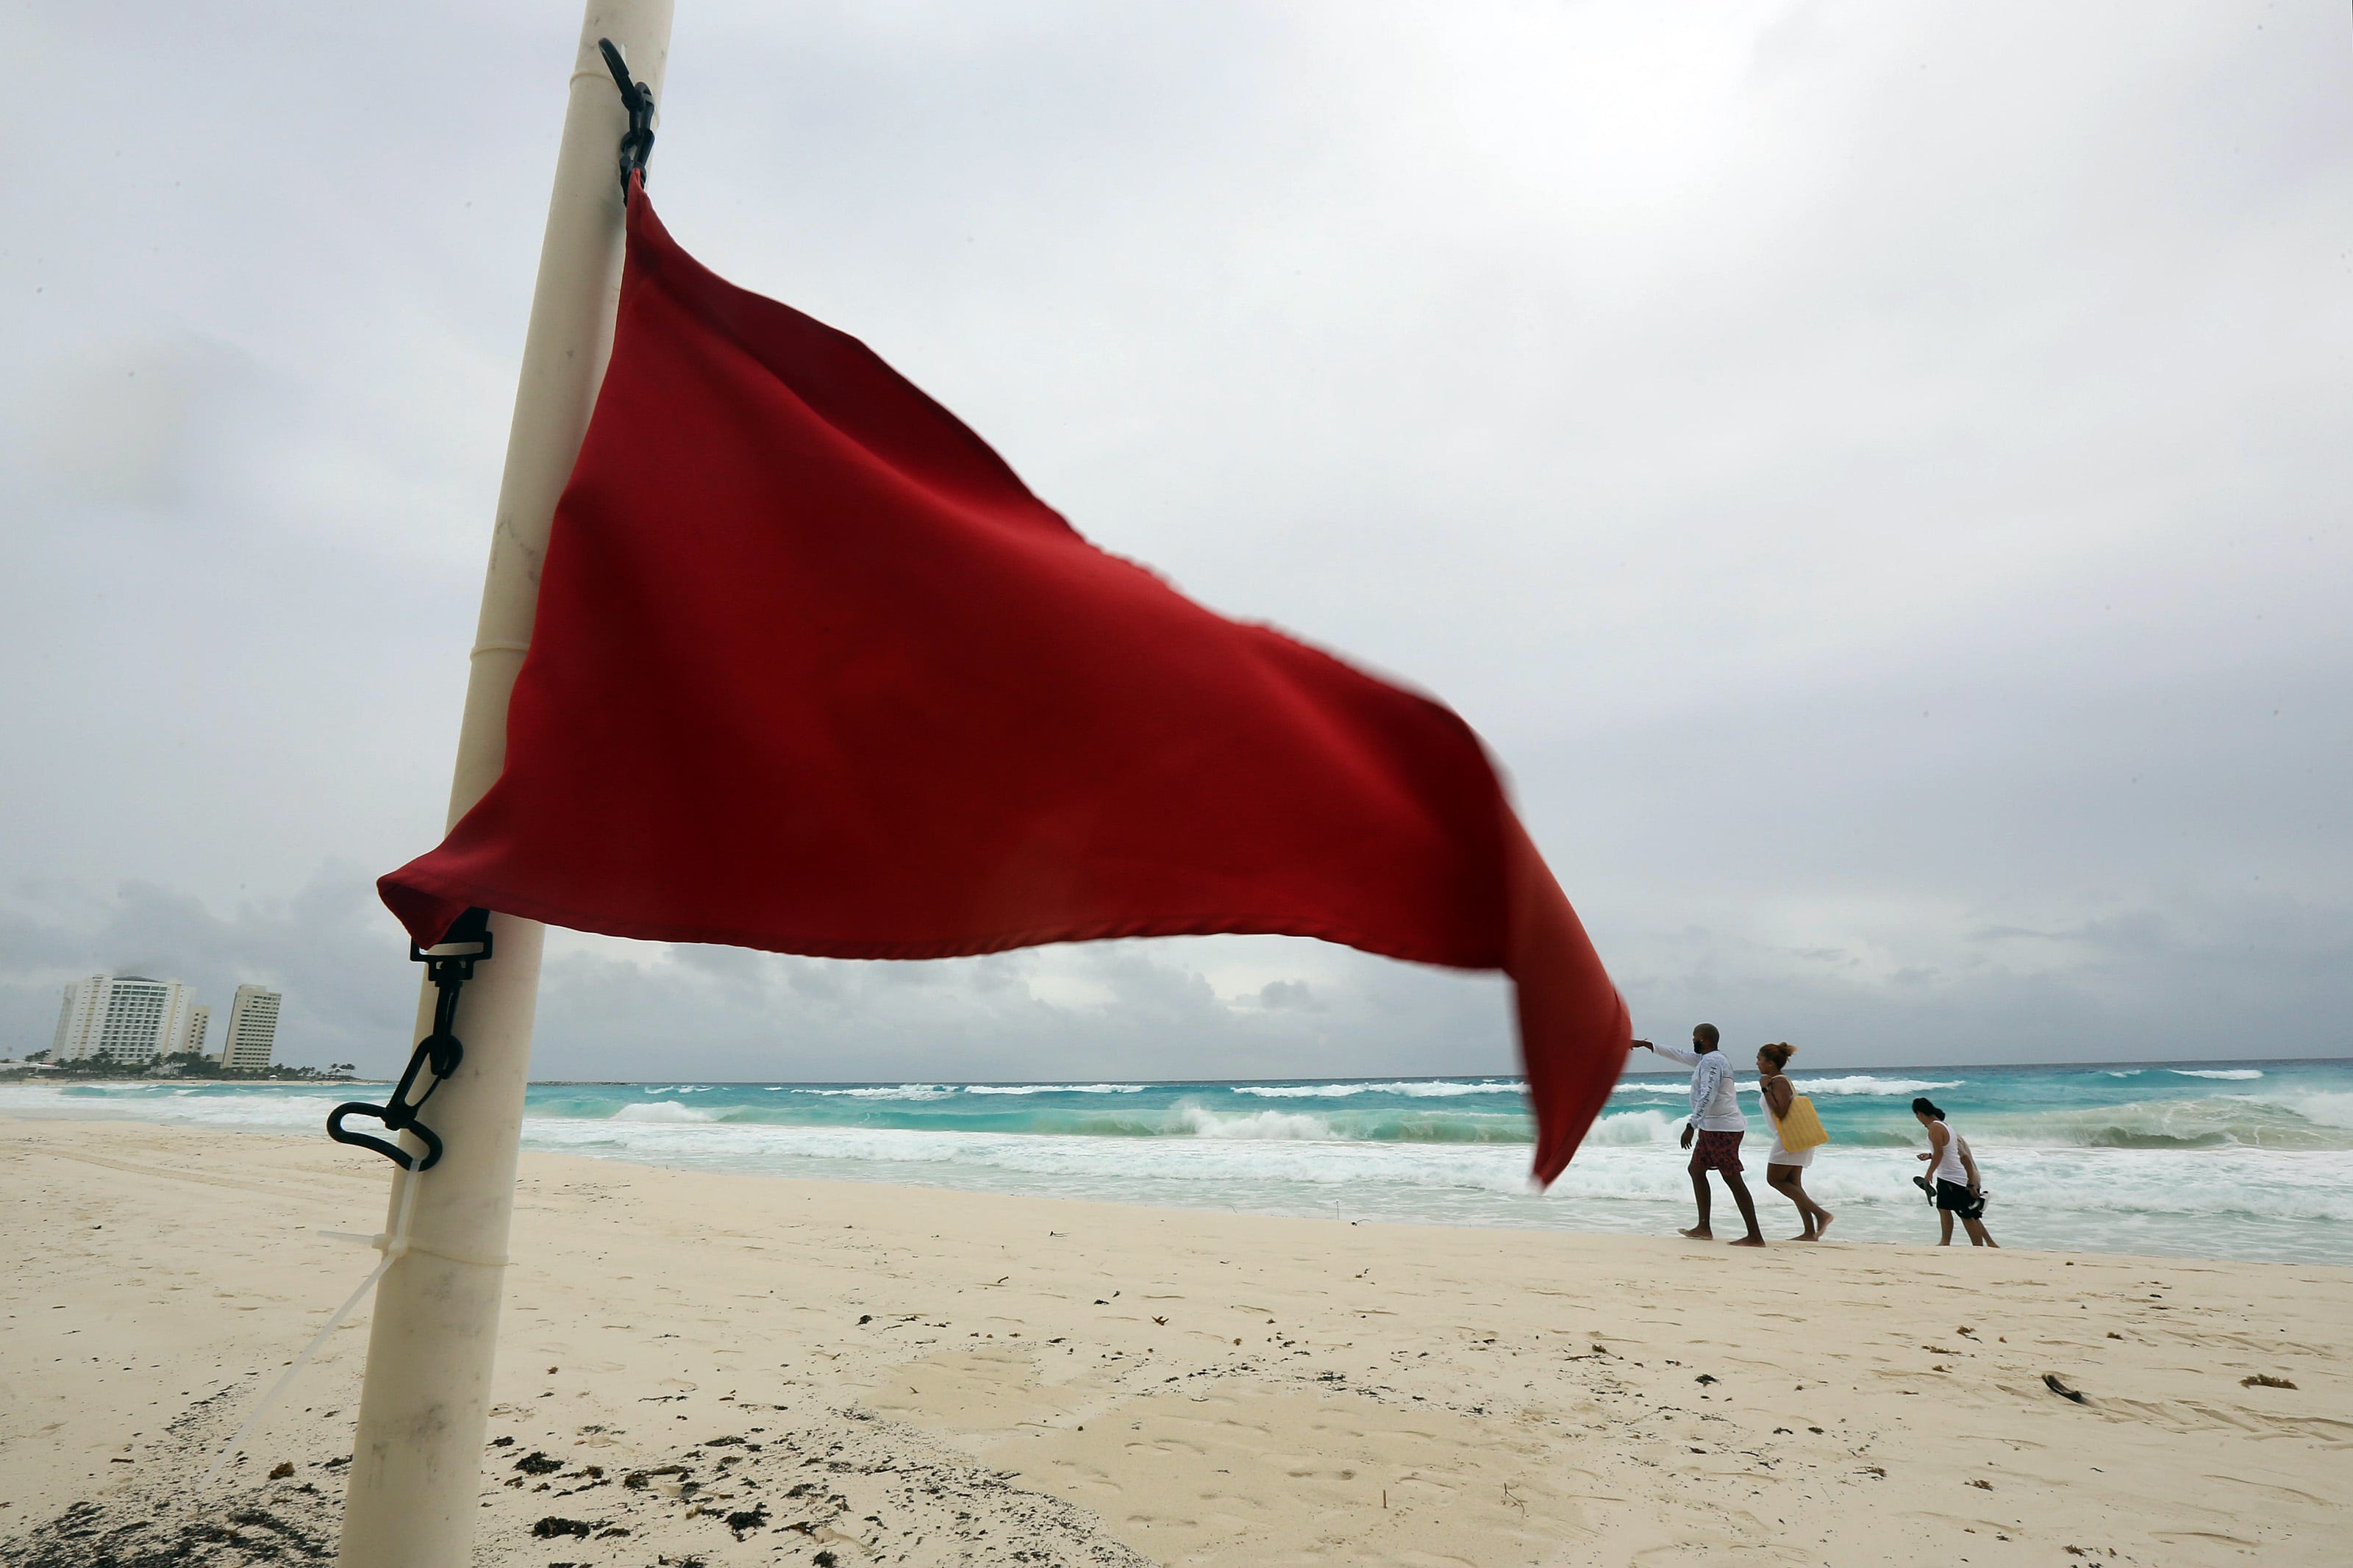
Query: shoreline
{"type": "Point", "coordinates": [1113, 1384]}
{"type": "Point", "coordinates": [2163, 1164]}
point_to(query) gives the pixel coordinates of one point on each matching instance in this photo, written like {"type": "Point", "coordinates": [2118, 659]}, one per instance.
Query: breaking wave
{"type": "Point", "coordinates": [882, 1091]}
{"type": "Point", "coordinates": [1848, 1083]}
{"type": "Point", "coordinates": [1864, 1083]}
{"type": "Point", "coordinates": [661, 1111]}
{"type": "Point", "coordinates": [1203, 1123]}
{"type": "Point", "coordinates": [1023, 1088]}
{"type": "Point", "coordinates": [1412, 1088]}
{"type": "Point", "coordinates": [2214, 1122]}
{"type": "Point", "coordinates": [1632, 1127]}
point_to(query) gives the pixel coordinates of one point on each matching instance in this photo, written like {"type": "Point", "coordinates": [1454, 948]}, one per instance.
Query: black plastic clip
{"type": "Point", "coordinates": [638, 141]}
{"type": "Point", "coordinates": [442, 1051]}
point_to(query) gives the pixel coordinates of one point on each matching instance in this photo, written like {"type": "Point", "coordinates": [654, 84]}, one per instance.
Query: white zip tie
{"type": "Point", "coordinates": [395, 1246]}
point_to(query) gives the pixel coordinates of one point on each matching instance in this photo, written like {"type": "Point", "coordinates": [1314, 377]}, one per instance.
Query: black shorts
{"type": "Point", "coordinates": [1959, 1199]}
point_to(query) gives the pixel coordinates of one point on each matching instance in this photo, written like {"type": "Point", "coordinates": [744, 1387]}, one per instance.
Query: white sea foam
{"type": "Point", "coordinates": [1258, 1160]}
{"type": "Point", "coordinates": [2234, 1073]}
{"type": "Point", "coordinates": [1850, 1083]}
{"type": "Point", "coordinates": [266, 1112]}
{"type": "Point", "coordinates": [2327, 1108]}
{"type": "Point", "coordinates": [885, 1091]}
{"type": "Point", "coordinates": [1631, 1127]}
{"type": "Point", "coordinates": [1865, 1083]}
{"type": "Point", "coordinates": [2210, 1122]}
{"type": "Point", "coordinates": [663, 1111]}
{"type": "Point", "coordinates": [1411, 1088]}
{"type": "Point", "coordinates": [1053, 1089]}
{"type": "Point", "coordinates": [1255, 1124]}
{"type": "Point", "coordinates": [1229, 1157]}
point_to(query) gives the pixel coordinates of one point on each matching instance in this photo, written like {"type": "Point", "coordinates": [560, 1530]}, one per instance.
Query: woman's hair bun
{"type": "Point", "coordinates": [1778, 1053]}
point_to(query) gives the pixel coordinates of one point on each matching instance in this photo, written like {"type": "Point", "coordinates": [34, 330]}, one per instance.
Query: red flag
{"type": "Point", "coordinates": [814, 672]}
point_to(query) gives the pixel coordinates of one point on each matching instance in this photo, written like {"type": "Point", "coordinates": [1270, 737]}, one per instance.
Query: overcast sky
{"type": "Point", "coordinates": [1876, 474]}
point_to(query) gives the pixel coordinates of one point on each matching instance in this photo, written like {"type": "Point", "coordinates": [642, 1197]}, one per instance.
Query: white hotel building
{"type": "Point", "coordinates": [253, 1030]}
{"type": "Point", "coordinates": [128, 1019]}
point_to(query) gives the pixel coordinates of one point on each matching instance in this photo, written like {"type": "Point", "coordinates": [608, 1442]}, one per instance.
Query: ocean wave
{"type": "Point", "coordinates": [1866, 1083]}
{"type": "Point", "coordinates": [663, 1111]}
{"type": "Point", "coordinates": [2213, 1121]}
{"type": "Point", "coordinates": [1389, 1126]}
{"type": "Point", "coordinates": [1632, 1127]}
{"type": "Point", "coordinates": [1100, 1118]}
{"type": "Point", "coordinates": [1227, 1160]}
{"type": "Point", "coordinates": [2236, 1073]}
{"type": "Point", "coordinates": [1417, 1089]}
{"type": "Point", "coordinates": [1849, 1083]}
{"type": "Point", "coordinates": [884, 1091]}
{"type": "Point", "coordinates": [1108, 1121]}
{"type": "Point", "coordinates": [2327, 1109]}
{"type": "Point", "coordinates": [1202, 1122]}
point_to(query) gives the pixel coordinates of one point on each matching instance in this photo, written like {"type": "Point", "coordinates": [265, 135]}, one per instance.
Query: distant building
{"type": "Point", "coordinates": [200, 1024]}
{"type": "Point", "coordinates": [253, 1030]}
{"type": "Point", "coordinates": [126, 1019]}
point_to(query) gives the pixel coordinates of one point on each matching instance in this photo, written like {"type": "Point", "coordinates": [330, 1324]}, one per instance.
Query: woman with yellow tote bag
{"type": "Point", "coordinates": [1796, 1133]}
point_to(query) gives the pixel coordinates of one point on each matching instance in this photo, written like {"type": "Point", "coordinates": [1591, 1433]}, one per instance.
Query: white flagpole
{"type": "Point", "coordinates": [417, 1461]}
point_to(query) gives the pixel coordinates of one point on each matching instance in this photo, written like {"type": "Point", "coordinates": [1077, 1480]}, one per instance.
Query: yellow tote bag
{"type": "Point", "coordinates": [1801, 1129]}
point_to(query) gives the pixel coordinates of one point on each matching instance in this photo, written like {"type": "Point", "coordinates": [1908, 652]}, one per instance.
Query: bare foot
{"type": "Point", "coordinates": [1808, 1236]}
{"type": "Point", "coordinates": [1698, 1233]}
{"type": "Point", "coordinates": [1822, 1226]}
{"type": "Point", "coordinates": [1750, 1241]}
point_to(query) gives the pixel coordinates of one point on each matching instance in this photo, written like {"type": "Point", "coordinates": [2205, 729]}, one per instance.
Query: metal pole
{"type": "Point", "coordinates": [417, 1461]}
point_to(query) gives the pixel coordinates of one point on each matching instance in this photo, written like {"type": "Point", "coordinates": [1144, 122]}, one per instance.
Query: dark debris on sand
{"type": "Point", "coordinates": [851, 1486]}
{"type": "Point", "coordinates": [95, 1535]}
{"type": "Point", "coordinates": [819, 1484]}
{"type": "Point", "coordinates": [153, 1519]}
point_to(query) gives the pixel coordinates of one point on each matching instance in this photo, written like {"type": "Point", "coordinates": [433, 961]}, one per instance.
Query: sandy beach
{"type": "Point", "coordinates": [736, 1369]}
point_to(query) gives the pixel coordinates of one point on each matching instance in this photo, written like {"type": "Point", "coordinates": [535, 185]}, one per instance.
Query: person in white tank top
{"type": "Point", "coordinates": [1953, 1183]}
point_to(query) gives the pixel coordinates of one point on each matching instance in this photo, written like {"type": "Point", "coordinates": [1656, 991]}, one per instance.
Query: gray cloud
{"type": "Point", "coordinates": [614, 1009]}
{"type": "Point", "coordinates": [325, 947]}
{"type": "Point", "coordinates": [1875, 475]}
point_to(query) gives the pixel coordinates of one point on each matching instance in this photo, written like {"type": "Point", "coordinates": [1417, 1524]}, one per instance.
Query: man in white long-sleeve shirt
{"type": "Point", "coordinates": [1714, 1130]}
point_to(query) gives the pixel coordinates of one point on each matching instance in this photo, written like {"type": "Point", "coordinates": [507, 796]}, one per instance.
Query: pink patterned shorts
{"type": "Point", "coordinates": [1720, 1149]}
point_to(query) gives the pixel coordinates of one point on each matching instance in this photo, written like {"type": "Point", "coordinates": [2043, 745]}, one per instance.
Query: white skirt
{"type": "Point", "coordinates": [1780, 1157]}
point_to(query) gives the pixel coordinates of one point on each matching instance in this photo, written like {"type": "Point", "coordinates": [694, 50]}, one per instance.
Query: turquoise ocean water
{"type": "Point", "coordinates": [2248, 1159]}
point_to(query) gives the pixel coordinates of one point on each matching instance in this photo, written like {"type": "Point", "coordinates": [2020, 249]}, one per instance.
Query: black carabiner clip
{"type": "Point", "coordinates": [392, 1152]}
{"type": "Point", "coordinates": [441, 1050]}
{"type": "Point", "coordinates": [638, 141]}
